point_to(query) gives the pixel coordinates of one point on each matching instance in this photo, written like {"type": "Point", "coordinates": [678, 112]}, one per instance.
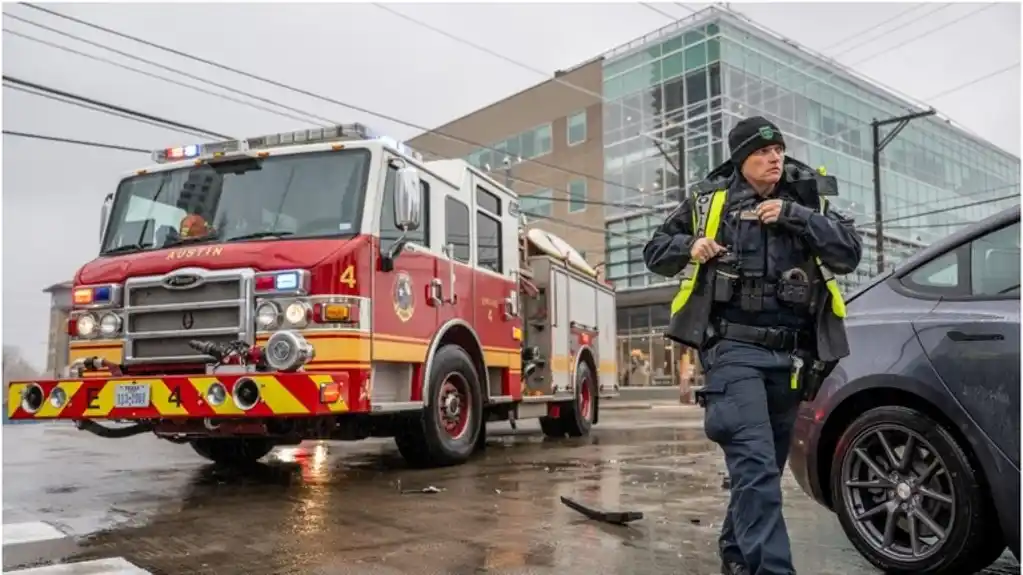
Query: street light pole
{"type": "Point", "coordinates": [879, 146]}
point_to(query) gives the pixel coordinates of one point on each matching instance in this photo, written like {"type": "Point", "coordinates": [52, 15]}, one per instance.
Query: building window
{"type": "Point", "coordinates": [539, 203]}
{"type": "Point", "coordinates": [577, 128]}
{"type": "Point", "coordinates": [576, 196]}
{"type": "Point", "coordinates": [389, 232]}
{"type": "Point", "coordinates": [456, 216]}
{"type": "Point", "coordinates": [543, 140]}
{"type": "Point", "coordinates": [488, 247]}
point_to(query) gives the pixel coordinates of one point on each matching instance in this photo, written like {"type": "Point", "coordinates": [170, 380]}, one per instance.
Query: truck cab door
{"type": "Point", "coordinates": [403, 319]}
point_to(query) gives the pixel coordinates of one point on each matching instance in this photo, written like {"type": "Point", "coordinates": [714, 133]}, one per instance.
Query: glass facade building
{"type": "Point", "coordinates": [694, 80]}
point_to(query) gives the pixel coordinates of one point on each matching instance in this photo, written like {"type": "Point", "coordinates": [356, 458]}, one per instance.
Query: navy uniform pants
{"type": "Point", "coordinates": [750, 413]}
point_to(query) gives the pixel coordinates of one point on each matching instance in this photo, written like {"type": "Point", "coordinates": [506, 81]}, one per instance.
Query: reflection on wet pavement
{"type": "Point", "coordinates": [335, 508]}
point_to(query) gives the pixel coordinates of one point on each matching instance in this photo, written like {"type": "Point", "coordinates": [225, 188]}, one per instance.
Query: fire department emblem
{"type": "Point", "coordinates": [404, 298]}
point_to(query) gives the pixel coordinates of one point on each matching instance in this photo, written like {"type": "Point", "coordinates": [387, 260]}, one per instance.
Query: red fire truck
{"type": "Point", "coordinates": [326, 284]}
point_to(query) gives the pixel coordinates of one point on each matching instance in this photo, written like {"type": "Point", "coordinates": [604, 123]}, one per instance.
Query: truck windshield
{"type": "Point", "coordinates": [299, 195]}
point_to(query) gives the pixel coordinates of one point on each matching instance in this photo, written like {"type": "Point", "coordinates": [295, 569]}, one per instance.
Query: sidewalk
{"type": "Point", "coordinates": [616, 404]}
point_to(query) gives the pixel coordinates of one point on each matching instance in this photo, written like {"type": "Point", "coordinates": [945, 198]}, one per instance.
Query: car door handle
{"type": "Point", "coordinates": [962, 336]}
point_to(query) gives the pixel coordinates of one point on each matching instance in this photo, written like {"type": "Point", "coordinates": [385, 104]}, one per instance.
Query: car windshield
{"type": "Point", "coordinates": [294, 196]}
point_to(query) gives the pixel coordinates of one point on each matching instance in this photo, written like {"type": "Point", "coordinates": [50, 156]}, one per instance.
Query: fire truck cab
{"type": "Point", "coordinates": [326, 284]}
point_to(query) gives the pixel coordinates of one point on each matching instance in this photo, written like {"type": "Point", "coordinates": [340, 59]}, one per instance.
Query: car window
{"type": "Point", "coordinates": [938, 276]}
{"type": "Point", "coordinates": [995, 263]}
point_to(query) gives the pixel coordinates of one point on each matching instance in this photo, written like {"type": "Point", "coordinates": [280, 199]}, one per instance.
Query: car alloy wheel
{"type": "Point", "coordinates": [898, 491]}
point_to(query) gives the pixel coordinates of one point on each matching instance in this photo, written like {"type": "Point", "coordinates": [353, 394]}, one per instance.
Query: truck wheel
{"type": "Point", "coordinates": [575, 419]}
{"type": "Point", "coordinates": [909, 498]}
{"type": "Point", "coordinates": [232, 450]}
{"type": "Point", "coordinates": [446, 432]}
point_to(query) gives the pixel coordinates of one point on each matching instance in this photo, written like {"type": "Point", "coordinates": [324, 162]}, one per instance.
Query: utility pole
{"type": "Point", "coordinates": [879, 145]}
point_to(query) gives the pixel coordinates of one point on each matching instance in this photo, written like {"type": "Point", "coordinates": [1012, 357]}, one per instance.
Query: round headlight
{"type": "Point", "coordinates": [216, 394]}
{"type": "Point", "coordinates": [110, 324]}
{"type": "Point", "coordinates": [268, 315]}
{"type": "Point", "coordinates": [297, 314]}
{"type": "Point", "coordinates": [58, 397]}
{"type": "Point", "coordinates": [86, 325]}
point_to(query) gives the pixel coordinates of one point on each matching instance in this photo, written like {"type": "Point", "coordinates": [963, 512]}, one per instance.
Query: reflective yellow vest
{"type": "Point", "coordinates": [706, 223]}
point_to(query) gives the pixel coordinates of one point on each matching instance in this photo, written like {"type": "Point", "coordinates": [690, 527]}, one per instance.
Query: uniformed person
{"type": "Point", "coordinates": [755, 246]}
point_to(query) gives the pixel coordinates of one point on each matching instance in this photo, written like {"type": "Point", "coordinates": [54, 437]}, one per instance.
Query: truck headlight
{"type": "Point", "coordinates": [86, 325]}
{"type": "Point", "coordinates": [109, 324]}
{"type": "Point", "coordinates": [268, 315]}
{"type": "Point", "coordinates": [297, 314]}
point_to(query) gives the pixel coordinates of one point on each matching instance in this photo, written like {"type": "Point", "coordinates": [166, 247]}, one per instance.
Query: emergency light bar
{"type": "Point", "coordinates": [340, 133]}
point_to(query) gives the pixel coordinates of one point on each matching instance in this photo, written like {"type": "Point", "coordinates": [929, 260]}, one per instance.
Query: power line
{"type": "Point", "coordinates": [108, 106]}
{"type": "Point", "coordinates": [76, 142]}
{"type": "Point", "coordinates": [102, 110]}
{"type": "Point", "coordinates": [975, 81]}
{"type": "Point", "coordinates": [658, 10]}
{"type": "Point", "coordinates": [156, 76]}
{"type": "Point", "coordinates": [943, 210]}
{"type": "Point", "coordinates": [886, 22]}
{"type": "Point", "coordinates": [321, 120]}
{"type": "Point", "coordinates": [297, 90]}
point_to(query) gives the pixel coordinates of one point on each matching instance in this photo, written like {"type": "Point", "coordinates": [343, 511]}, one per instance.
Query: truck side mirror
{"type": "Point", "coordinates": [104, 215]}
{"type": "Point", "coordinates": [407, 211]}
{"type": "Point", "coordinates": [407, 198]}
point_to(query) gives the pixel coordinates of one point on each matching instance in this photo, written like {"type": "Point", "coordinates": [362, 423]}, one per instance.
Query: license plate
{"type": "Point", "coordinates": [131, 395]}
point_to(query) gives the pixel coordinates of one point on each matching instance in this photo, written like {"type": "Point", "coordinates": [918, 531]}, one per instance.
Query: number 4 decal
{"type": "Point", "coordinates": [175, 396]}
{"type": "Point", "coordinates": [348, 276]}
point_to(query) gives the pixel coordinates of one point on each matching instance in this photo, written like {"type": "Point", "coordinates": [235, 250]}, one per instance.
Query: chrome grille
{"type": "Point", "coordinates": [160, 317]}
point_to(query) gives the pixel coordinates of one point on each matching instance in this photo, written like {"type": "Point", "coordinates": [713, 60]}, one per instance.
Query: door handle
{"type": "Point", "coordinates": [962, 336]}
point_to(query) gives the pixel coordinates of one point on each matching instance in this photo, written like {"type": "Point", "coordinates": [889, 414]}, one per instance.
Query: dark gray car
{"type": "Point", "coordinates": [913, 440]}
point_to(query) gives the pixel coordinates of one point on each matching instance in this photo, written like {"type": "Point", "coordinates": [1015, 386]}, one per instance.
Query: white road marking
{"type": "Point", "coordinates": [32, 532]}
{"type": "Point", "coordinates": [114, 566]}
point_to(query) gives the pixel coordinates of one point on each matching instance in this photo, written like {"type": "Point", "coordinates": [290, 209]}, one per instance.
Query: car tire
{"type": "Point", "coordinates": [972, 541]}
{"type": "Point", "coordinates": [233, 451]}
{"type": "Point", "coordinates": [427, 440]}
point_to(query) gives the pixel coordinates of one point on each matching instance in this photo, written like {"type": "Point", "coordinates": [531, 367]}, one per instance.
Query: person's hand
{"type": "Point", "coordinates": [704, 249]}
{"type": "Point", "coordinates": [769, 211]}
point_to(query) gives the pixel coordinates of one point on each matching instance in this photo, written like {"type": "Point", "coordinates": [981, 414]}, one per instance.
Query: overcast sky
{"type": "Point", "coordinates": [361, 54]}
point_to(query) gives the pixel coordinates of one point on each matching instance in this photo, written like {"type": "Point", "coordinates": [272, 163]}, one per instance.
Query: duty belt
{"type": "Point", "coordinates": [774, 338]}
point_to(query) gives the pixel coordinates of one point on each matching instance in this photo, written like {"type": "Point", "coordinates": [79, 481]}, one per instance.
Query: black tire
{"type": "Point", "coordinates": [575, 419]}
{"type": "Point", "coordinates": [430, 440]}
{"type": "Point", "coordinates": [232, 450]}
{"type": "Point", "coordinates": [973, 540]}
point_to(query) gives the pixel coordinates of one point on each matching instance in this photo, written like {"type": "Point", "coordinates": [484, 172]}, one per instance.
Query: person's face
{"type": "Point", "coordinates": [764, 165]}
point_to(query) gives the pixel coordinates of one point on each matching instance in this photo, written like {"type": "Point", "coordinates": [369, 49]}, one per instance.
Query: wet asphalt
{"type": "Point", "coordinates": [340, 508]}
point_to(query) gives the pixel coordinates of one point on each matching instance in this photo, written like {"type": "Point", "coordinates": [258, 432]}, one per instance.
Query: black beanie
{"type": "Point", "coordinates": [750, 135]}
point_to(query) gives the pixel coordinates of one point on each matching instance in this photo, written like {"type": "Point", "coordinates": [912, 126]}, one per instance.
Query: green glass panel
{"type": "Point", "coordinates": [673, 66]}
{"type": "Point", "coordinates": [713, 50]}
{"type": "Point", "coordinates": [653, 75]}
{"type": "Point", "coordinates": [635, 80]}
{"type": "Point", "coordinates": [693, 36]}
{"type": "Point", "coordinates": [672, 45]}
{"type": "Point", "coordinates": [696, 56]}
{"type": "Point", "coordinates": [613, 88]}
{"type": "Point", "coordinates": [712, 29]}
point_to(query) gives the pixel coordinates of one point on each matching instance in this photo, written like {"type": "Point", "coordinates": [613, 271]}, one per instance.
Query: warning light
{"type": "Point", "coordinates": [288, 281]}
{"type": "Point", "coordinates": [330, 393]}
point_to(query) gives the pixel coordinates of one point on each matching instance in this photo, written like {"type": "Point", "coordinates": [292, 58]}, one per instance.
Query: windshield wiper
{"type": "Point", "coordinates": [127, 248]}
{"type": "Point", "coordinates": [257, 235]}
{"type": "Point", "coordinates": [189, 240]}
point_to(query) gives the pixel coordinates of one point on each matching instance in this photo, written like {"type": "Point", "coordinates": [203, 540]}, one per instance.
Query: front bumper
{"type": "Point", "coordinates": [185, 396]}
